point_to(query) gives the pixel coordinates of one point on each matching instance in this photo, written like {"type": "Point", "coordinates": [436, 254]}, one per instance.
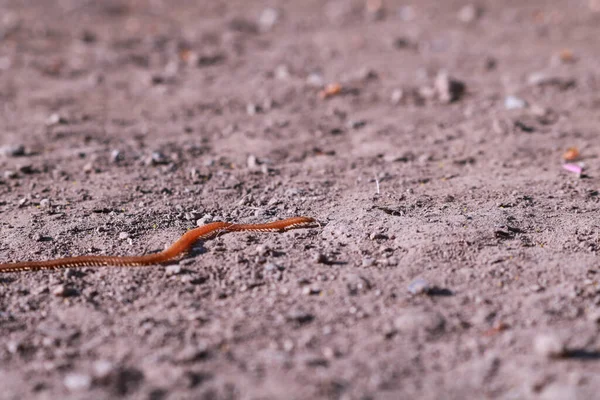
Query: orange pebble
{"type": "Point", "coordinates": [566, 56]}
{"type": "Point", "coordinates": [330, 90]}
{"type": "Point", "coordinates": [185, 55]}
{"type": "Point", "coordinates": [571, 154]}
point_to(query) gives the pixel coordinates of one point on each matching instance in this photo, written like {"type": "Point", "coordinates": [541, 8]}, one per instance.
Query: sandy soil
{"type": "Point", "coordinates": [457, 258]}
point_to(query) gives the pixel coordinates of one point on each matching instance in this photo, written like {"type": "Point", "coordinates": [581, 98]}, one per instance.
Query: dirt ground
{"type": "Point", "coordinates": [456, 258]}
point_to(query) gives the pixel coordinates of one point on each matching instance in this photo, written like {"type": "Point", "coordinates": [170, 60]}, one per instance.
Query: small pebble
{"type": "Point", "coordinates": [468, 13]}
{"type": "Point", "coordinates": [77, 381]}
{"type": "Point", "coordinates": [13, 347]}
{"type": "Point", "coordinates": [204, 220]}
{"type": "Point", "coordinates": [12, 150]}
{"type": "Point", "coordinates": [397, 96]}
{"type": "Point", "coordinates": [88, 168]}
{"type": "Point", "coordinates": [321, 258]}
{"type": "Point", "coordinates": [63, 291]}
{"type": "Point", "coordinates": [252, 109]}
{"type": "Point", "coordinates": [69, 273]}
{"type": "Point", "coordinates": [356, 124]}
{"type": "Point", "coordinates": [368, 262]}
{"type": "Point", "coordinates": [262, 249]}
{"type": "Point", "coordinates": [10, 174]}
{"type": "Point", "coordinates": [44, 203]}
{"type": "Point", "coordinates": [447, 88]}
{"type": "Point", "coordinates": [378, 236]}
{"type": "Point", "coordinates": [536, 288]}
{"type": "Point", "coordinates": [252, 162]}
{"type": "Point", "coordinates": [330, 90]}
{"type": "Point", "coordinates": [157, 158]}
{"type": "Point", "coordinates": [268, 18]}
{"type": "Point", "coordinates": [55, 119]}
{"type": "Point", "coordinates": [115, 156]}
{"type": "Point", "coordinates": [315, 80]}
{"type": "Point", "coordinates": [272, 267]}
{"type": "Point", "coordinates": [419, 286]}
{"type": "Point", "coordinates": [173, 270]}
{"type": "Point", "coordinates": [193, 353]}
{"type": "Point", "coordinates": [514, 103]}
{"type": "Point", "coordinates": [102, 369]}
{"type": "Point", "coordinates": [282, 72]}
{"type": "Point", "coordinates": [311, 291]}
{"type": "Point", "coordinates": [123, 235]}
{"type": "Point", "coordinates": [564, 56]}
{"type": "Point", "coordinates": [549, 346]}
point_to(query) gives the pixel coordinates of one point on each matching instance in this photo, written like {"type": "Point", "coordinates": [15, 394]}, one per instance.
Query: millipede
{"type": "Point", "coordinates": [175, 251]}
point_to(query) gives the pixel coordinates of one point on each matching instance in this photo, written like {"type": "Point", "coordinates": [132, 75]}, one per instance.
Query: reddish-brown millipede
{"type": "Point", "coordinates": [176, 250]}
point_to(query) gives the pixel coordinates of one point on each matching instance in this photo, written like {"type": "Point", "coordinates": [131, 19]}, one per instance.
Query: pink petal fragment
{"type": "Point", "coordinates": [575, 168]}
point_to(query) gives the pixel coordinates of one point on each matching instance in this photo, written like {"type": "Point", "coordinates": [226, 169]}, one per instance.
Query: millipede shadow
{"type": "Point", "coordinates": [196, 250]}
{"type": "Point", "coordinates": [438, 291]}
{"type": "Point", "coordinates": [583, 355]}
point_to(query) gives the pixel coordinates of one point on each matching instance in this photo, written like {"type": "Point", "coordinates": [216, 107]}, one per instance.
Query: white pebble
{"type": "Point", "coordinates": [252, 162]}
{"type": "Point", "coordinates": [549, 346]}
{"type": "Point", "coordinates": [102, 368]}
{"type": "Point", "coordinates": [59, 291]}
{"type": "Point", "coordinates": [315, 80]}
{"type": "Point", "coordinates": [123, 235]}
{"type": "Point", "coordinates": [204, 220]}
{"type": "Point", "coordinates": [397, 95]}
{"type": "Point", "coordinates": [12, 150]}
{"type": "Point", "coordinates": [418, 286]}
{"type": "Point", "coordinates": [55, 119]}
{"type": "Point", "coordinates": [468, 13]}
{"type": "Point", "coordinates": [368, 262]}
{"type": "Point", "coordinates": [173, 270]}
{"type": "Point", "coordinates": [514, 103]}
{"type": "Point", "coordinates": [282, 72]}
{"type": "Point", "coordinates": [268, 18]}
{"type": "Point", "coordinates": [251, 109]}
{"type": "Point", "coordinates": [115, 156]}
{"type": "Point", "coordinates": [77, 381]}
